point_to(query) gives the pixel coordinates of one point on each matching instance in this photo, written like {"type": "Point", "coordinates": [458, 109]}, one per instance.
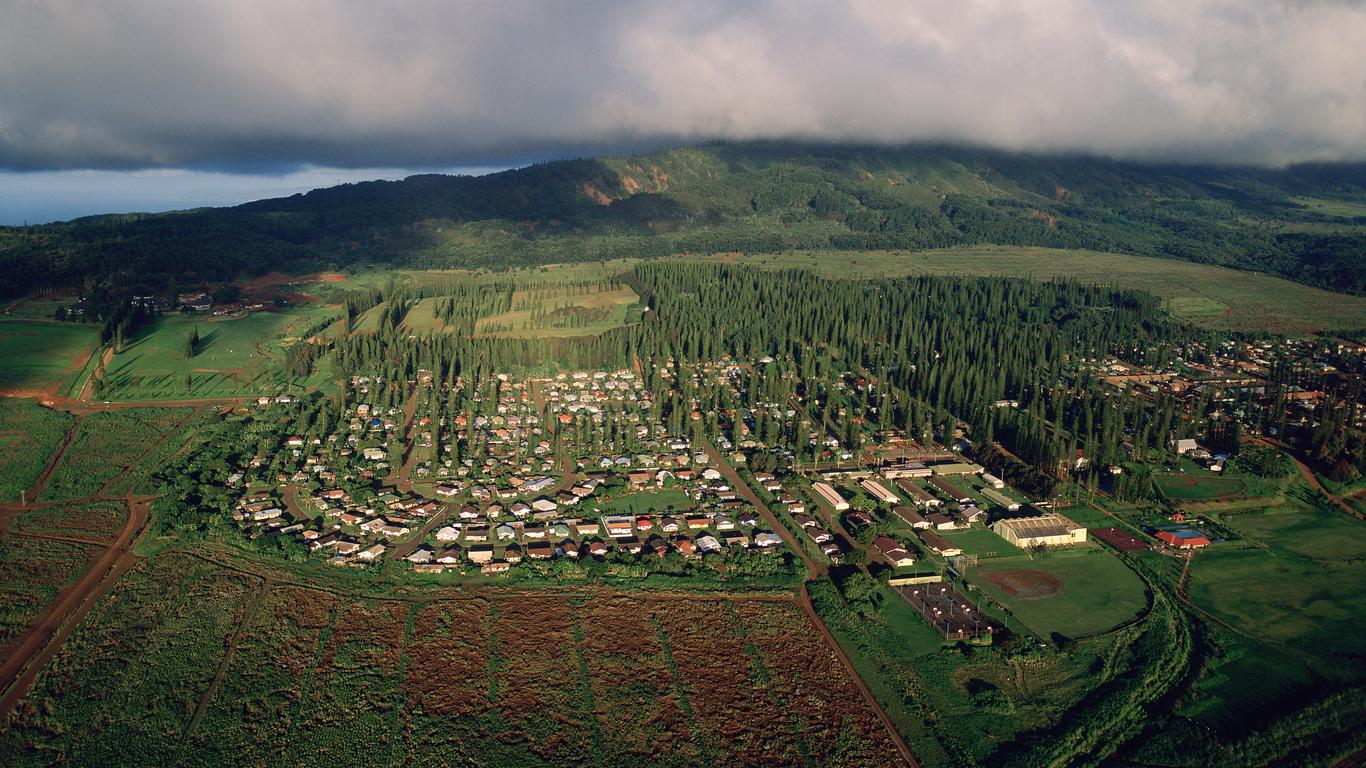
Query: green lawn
{"type": "Point", "coordinates": [641, 502]}
{"type": "Point", "coordinates": [37, 354]}
{"type": "Point", "coordinates": [1316, 534]}
{"type": "Point", "coordinates": [1098, 593]}
{"type": "Point", "coordinates": [1284, 599]}
{"type": "Point", "coordinates": [981, 542]}
{"type": "Point", "coordinates": [235, 357]}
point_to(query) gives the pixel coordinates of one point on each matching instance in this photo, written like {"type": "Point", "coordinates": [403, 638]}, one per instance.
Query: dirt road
{"type": "Point", "coordinates": [51, 630]}
{"type": "Point", "coordinates": [804, 598]}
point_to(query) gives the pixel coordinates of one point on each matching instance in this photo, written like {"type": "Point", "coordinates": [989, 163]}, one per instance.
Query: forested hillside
{"type": "Point", "coordinates": [1307, 223]}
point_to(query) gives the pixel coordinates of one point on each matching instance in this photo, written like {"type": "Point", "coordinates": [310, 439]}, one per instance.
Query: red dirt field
{"type": "Point", "coordinates": [1026, 584]}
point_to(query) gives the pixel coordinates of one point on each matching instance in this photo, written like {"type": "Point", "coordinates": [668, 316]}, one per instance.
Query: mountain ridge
{"type": "Point", "coordinates": [1307, 222]}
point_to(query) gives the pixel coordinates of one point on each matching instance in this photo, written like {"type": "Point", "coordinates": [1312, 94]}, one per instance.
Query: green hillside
{"type": "Point", "coordinates": [1305, 223]}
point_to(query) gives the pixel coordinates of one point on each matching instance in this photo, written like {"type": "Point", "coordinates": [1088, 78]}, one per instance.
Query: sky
{"type": "Point", "coordinates": [149, 104]}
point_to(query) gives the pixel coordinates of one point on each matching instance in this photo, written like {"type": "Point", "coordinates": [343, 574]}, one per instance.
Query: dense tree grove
{"type": "Point", "coordinates": [993, 359]}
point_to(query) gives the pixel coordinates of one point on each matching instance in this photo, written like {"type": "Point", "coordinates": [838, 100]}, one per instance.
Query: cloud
{"type": "Point", "coordinates": [260, 84]}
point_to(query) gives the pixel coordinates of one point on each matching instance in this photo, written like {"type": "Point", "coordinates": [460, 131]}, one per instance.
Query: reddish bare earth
{"type": "Point", "coordinates": [1026, 584]}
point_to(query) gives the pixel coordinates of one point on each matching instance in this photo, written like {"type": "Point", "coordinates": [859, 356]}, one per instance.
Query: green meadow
{"type": "Point", "coordinates": [1206, 295]}
{"type": "Point", "coordinates": [234, 357]}
{"type": "Point", "coordinates": [43, 354]}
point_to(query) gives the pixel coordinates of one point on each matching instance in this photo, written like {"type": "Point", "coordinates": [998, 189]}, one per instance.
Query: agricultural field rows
{"type": "Point", "coordinates": [216, 665]}
{"type": "Point", "coordinates": [29, 434]}
{"type": "Point", "coordinates": [105, 445]}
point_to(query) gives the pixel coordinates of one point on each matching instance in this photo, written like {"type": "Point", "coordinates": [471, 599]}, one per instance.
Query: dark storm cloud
{"type": "Point", "coordinates": [280, 84]}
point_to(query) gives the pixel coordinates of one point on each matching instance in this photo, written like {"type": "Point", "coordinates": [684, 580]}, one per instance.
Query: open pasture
{"type": "Point", "coordinates": [234, 357]}
{"type": "Point", "coordinates": [1074, 594]}
{"type": "Point", "coordinates": [41, 356]}
{"type": "Point", "coordinates": [515, 680]}
{"type": "Point", "coordinates": [1318, 534]}
{"type": "Point", "coordinates": [1285, 600]}
{"type": "Point", "coordinates": [1206, 295]}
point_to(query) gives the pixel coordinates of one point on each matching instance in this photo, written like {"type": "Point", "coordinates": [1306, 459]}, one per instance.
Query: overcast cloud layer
{"type": "Point", "coordinates": [251, 86]}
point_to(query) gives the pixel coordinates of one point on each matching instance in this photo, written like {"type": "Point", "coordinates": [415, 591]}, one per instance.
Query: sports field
{"type": "Point", "coordinates": [1180, 486]}
{"type": "Point", "coordinates": [44, 355]}
{"type": "Point", "coordinates": [1072, 594]}
{"type": "Point", "coordinates": [1209, 296]}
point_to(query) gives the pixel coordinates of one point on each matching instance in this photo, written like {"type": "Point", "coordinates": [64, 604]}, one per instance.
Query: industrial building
{"type": "Point", "coordinates": [1051, 530]}
{"type": "Point", "coordinates": [829, 496]}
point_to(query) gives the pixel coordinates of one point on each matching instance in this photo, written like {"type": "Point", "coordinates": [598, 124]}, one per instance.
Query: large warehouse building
{"type": "Point", "coordinates": [1051, 530]}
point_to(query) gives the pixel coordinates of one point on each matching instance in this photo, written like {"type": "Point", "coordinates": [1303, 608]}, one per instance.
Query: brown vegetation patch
{"type": "Point", "coordinates": [1026, 584]}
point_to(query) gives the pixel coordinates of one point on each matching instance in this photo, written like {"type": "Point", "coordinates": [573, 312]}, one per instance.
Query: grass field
{"type": "Point", "coordinates": [519, 680]}
{"type": "Point", "coordinates": [563, 313]}
{"type": "Point", "coordinates": [1342, 208]}
{"type": "Point", "coordinates": [646, 501]}
{"type": "Point", "coordinates": [1210, 296]}
{"type": "Point", "coordinates": [1316, 534]}
{"type": "Point", "coordinates": [29, 433]}
{"type": "Point", "coordinates": [1098, 592]}
{"type": "Point", "coordinates": [235, 357]}
{"type": "Point", "coordinates": [981, 542]}
{"type": "Point", "coordinates": [39, 355]}
{"type": "Point", "coordinates": [1180, 486]}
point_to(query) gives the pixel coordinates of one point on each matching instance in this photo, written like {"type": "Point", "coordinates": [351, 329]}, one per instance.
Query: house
{"type": "Point", "coordinates": [893, 552]}
{"type": "Point", "coordinates": [939, 545]}
{"type": "Point", "coordinates": [540, 550]}
{"type": "Point", "coordinates": [706, 543]}
{"type": "Point", "coordinates": [422, 554]}
{"type": "Point", "coordinates": [492, 567]}
{"type": "Point", "coordinates": [806, 521]}
{"type": "Point", "coordinates": [819, 535]}
{"type": "Point", "coordinates": [766, 540]}
{"type": "Point", "coordinates": [371, 553]}
{"type": "Point", "coordinates": [971, 514]}
{"type": "Point", "coordinates": [911, 517]}
{"type": "Point", "coordinates": [993, 481]}
{"type": "Point", "coordinates": [597, 548]}
{"type": "Point", "coordinates": [619, 526]}
{"type": "Point", "coordinates": [480, 555]}
{"type": "Point", "coordinates": [941, 521]}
